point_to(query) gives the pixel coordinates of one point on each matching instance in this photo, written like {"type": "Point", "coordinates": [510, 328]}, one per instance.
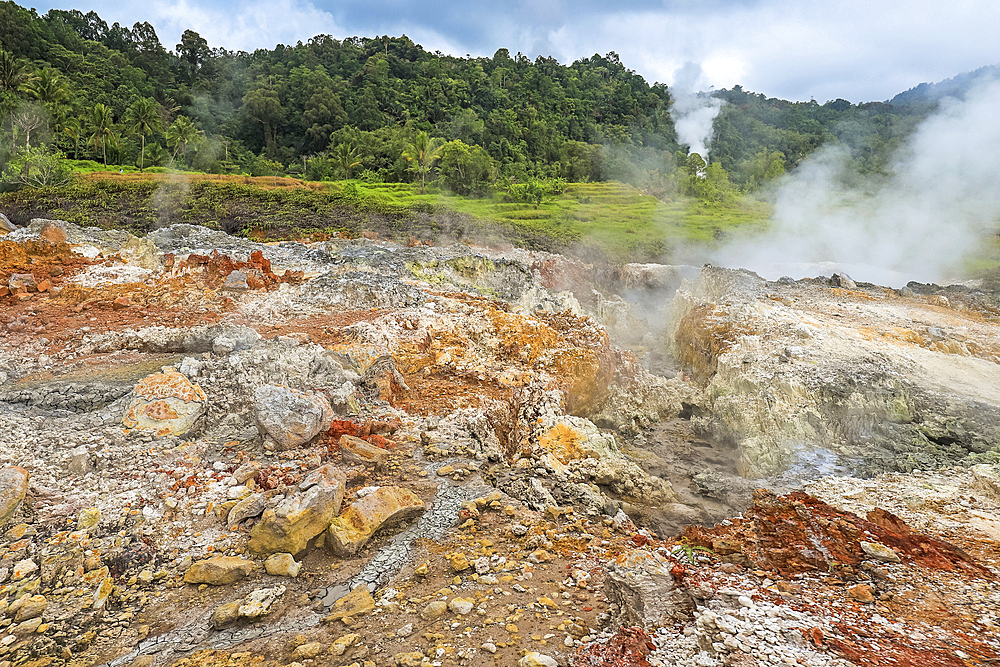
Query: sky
{"type": "Point", "coordinates": [859, 50]}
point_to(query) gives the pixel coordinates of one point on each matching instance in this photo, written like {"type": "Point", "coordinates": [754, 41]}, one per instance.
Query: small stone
{"type": "Point", "coordinates": [532, 659]}
{"type": "Point", "coordinates": [13, 487]}
{"type": "Point", "coordinates": [340, 646]}
{"type": "Point", "coordinates": [225, 614]}
{"type": "Point", "coordinates": [23, 569]}
{"type": "Point", "coordinates": [282, 565]}
{"type": "Point", "coordinates": [421, 570]}
{"type": "Point", "coordinates": [88, 518]}
{"type": "Point", "coordinates": [356, 603]}
{"type": "Point", "coordinates": [409, 659]}
{"type": "Point", "coordinates": [307, 651]}
{"type": "Point", "coordinates": [145, 577]}
{"type": "Point", "coordinates": [548, 602]}
{"type": "Point", "coordinates": [461, 606]}
{"type": "Point", "coordinates": [121, 303]}
{"type": "Point", "coordinates": [861, 593]}
{"type": "Point", "coordinates": [880, 552]}
{"type": "Point", "coordinates": [259, 602]}
{"type": "Point", "coordinates": [32, 607]}
{"type": "Point", "coordinates": [460, 562]}
{"type": "Point", "coordinates": [434, 610]}
{"type": "Point", "coordinates": [489, 647]}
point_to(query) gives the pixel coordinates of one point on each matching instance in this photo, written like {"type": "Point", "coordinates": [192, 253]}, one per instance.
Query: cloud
{"type": "Point", "coordinates": [245, 25]}
{"type": "Point", "coordinates": [856, 49]}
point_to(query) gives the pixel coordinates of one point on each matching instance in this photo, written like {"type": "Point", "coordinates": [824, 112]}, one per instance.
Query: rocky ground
{"type": "Point", "coordinates": [351, 452]}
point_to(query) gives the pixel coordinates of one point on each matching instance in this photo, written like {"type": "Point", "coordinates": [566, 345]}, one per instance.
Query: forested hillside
{"type": "Point", "coordinates": [385, 109]}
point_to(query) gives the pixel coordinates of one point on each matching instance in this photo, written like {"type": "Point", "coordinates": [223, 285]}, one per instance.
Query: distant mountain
{"type": "Point", "coordinates": [957, 86]}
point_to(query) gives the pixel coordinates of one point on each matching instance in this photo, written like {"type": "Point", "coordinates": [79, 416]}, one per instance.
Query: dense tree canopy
{"type": "Point", "coordinates": [355, 107]}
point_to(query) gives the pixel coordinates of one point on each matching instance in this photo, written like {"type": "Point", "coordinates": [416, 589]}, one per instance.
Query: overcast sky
{"type": "Point", "coordinates": [861, 50]}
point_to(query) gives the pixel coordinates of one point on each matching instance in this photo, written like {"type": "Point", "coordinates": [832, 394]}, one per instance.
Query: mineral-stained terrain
{"type": "Point", "coordinates": [352, 452]}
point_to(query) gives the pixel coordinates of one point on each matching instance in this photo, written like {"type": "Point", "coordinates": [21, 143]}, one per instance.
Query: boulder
{"type": "Point", "coordinates": [6, 226]}
{"type": "Point", "coordinates": [290, 417]}
{"type": "Point", "coordinates": [259, 602]}
{"type": "Point", "coordinates": [362, 518]}
{"type": "Point", "coordinates": [166, 403]}
{"type": "Point", "coordinates": [13, 487]}
{"type": "Point", "coordinates": [356, 450]}
{"type": "Point", "coordinates": [985, 480]}
{"type": "Point", "coordinates": [225, 614]}
{"type": "Point", "coordinates": [356, 603]}
{"type": "Point", "coordinates": [282, 565]}
{"type": "Point", "coordinates": [645, 592]}
{"type": "Point", "coordinates": [301, 516]}
{"type": "Point", "coordinates": [219, 570]}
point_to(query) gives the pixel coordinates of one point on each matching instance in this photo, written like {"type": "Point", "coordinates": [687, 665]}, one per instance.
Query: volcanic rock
{"type": "Point", "coordinates": [302, 516]}
{"type": "Point", "coordinates": [219, 570]}
{"type": "Point", "coordinates": [645, 592]}
{"type": "Point", "coordinates": [259, 602]}
{"type": "Point", "coordinates": [290, 417]}
{"type": "Point", "coordinates": [28, 607]}
{"type": "Point", "coordinates": [166, 403]}
{"type": "Point", "coordinates": [356, 603]}
{"type": "Point", "coordinates": [533, 659]}
{"type": "Point", "coordinates": [385, 506]}
{"type": "Point", "coordinates": [356, 450]}
{"type": "Point", "coordinates": [282, 565]}
{"type": "Point", "coordinates": [13, 487]}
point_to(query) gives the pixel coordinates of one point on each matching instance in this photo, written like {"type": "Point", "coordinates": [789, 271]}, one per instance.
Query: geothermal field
{"type": "Point", "coordinates": [353, 452]}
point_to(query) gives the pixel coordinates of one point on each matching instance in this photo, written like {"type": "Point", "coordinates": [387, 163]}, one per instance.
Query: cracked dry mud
{"type": "Point", "coordinates": [515, 485]}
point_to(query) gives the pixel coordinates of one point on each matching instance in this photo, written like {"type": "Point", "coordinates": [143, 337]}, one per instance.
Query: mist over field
{"type": "Point", "coordinates": [941, 201]}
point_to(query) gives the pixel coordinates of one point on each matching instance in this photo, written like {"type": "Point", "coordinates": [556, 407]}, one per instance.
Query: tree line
{"type": "Point", "coordinates": [385, 109]}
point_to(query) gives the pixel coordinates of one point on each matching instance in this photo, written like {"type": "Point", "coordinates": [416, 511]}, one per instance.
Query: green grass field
{"type": "Point", "coordinates": [613, 219]}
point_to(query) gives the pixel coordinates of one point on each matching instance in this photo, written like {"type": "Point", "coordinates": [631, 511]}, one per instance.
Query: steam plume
{"type": "Point", "coordinates": [693, 111]}
{"type": "Point", "coordinates": [942, 200]}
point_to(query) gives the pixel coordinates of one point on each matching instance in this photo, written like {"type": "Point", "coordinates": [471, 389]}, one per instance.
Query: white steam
{"type": "Point", "coordinates": [693, 111]}
{"type": "Point", "coordinates": [941, 202]}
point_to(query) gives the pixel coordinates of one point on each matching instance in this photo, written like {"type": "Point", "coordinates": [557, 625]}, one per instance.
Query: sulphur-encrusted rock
{"type": "Point", "coordinates": [102, 593]}
{"type": "Point", "coordinates": [410, 659]}
{"type": "Point", "coordinates": [291, 417]}
{"type": "Point", "coordinates": [532, 659]}
{"type": "Point", "coordinates": [362, 518]}
{"type": "Point", "coordinates": [302, 516]}
{"type": "Point", "coordinates": [282, 565]}
{"type": "Point", "coordinates": [645, 591]}
{"type": "Point", "coordinates": [219, 570]}
{"type": "Point", "coordinates": [259, 602]}
{"type": "Point", "coordinates": [13, 487]}
{"type": "Point", "coordinates": [88, 518]}
{"type": "Point", "coordinates": [307, 651]}
{"type": "Point", "coordinates": [165, 403]}
{"type": "Point", "coordinates": [356, 450]}
{"type": "Point", "coordinates": [340, 646]}
{"type": "Point", "coordinates": [356, 603]}
{"type": "Point", "coordinates": [225, 614]}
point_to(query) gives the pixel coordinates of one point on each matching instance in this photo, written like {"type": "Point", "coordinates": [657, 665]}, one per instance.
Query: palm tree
{"type": "Point", "coordinates": [102, 128]}
{"type": "Point", "coordinates": [74, 131]}
{"type": "Point", "coordinates": [181, 133]}
{"type": "Point", "coordinates": [48, 87]}
{"type": "Point", "coordinates": [346, 157]}
{"type": "Point", "coordinates": [143, 118]}
{"type": "Point", "coordinates": [422, 154]}
{"type": "Point", "coordinates": [13, 75]}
